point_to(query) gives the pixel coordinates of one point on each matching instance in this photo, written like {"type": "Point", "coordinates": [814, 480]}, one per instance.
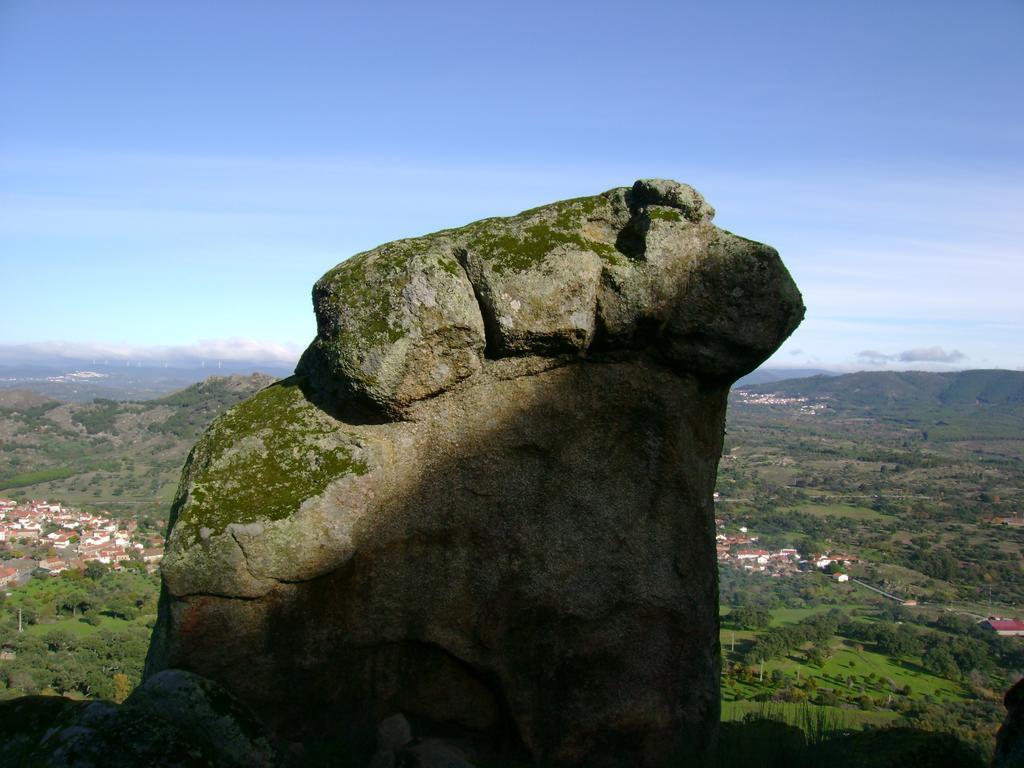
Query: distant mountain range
{"type": "Point", "coordinates": [80, 381]}
{"type": "Point", "coordinates": [130, 452]}
{"type": "Point", "coordinates": [765, 375]}
{"type": "Point", "coordinates": [907, 391]}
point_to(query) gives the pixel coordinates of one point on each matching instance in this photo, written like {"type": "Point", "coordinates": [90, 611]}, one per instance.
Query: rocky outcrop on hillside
{"type": "Point", "coordinates": [483, 502]}
{"type": "Point", "coordinates": [174, 720]}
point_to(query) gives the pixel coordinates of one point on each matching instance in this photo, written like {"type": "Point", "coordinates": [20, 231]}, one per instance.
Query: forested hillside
{"type": "Point", "coordinates": [119, 454]}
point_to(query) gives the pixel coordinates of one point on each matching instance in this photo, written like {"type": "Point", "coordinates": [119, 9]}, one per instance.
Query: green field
{"type": "Point", "coordinates": [76, 626]}
{"type": "Point", "coordinates": [783, 616]}
{"type": "Point", "coordinates": [848, 671]}
{"type": "Point", "coordinates": [856, 666]}
{"type": "Point", "coordinates": [805, 716]}
{"type": "Point", "coordinates": [841, 510]}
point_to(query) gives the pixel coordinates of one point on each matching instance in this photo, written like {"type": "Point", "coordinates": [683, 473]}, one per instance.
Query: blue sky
{"type": "Point", "coordinates": [174, 177]}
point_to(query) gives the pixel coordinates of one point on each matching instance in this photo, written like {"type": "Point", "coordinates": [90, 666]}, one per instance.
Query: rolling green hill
{"type": "Point", "coordinates": [962, 405]}
{"type": "Point", "coordinates": [122, 455]}
{"type": "Point", "coordinates": [906, 389]}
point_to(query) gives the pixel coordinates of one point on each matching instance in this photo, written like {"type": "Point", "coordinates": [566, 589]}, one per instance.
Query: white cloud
{"type": "Point", "coordinates": [211, 350]}
{"type": "Point", "coordinates": [930, 355]}
{"type": "Point", "coordinates": [919, 355]}
{"type": "Point", "coordinates": [871, 357]}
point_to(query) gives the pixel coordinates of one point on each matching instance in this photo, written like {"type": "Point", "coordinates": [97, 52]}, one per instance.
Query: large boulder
{"type": "Point", "coordinates": [484, 499]}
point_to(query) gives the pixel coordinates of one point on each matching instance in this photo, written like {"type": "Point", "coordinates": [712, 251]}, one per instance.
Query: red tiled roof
{"type": "Point", "coordinates": [1006, 625]}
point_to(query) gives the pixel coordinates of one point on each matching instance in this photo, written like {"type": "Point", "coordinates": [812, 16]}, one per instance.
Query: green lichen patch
{"type": "Point", "coordinates": [611, 255]}
{"type": "Point", "coordinates": [574, 207]}
{"type": "Point", "coordinates": [523, 241]}
{"type": "Point", "coordinates": [363, 290]}
{"type": "Point", "coordinates": [664, 214]}
{"type": "Point", "coordinates": [572, 214]}
{"type": "Point", "coordinates": [263, 458]}
{"type": "Point", "coordinates": [449, 265]}
{"type": "Point", "coordinates": [509, 252]}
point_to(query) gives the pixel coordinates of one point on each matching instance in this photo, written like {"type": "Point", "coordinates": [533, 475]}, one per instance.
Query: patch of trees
{"type": "Point", "coordinates": [196, 407]}
{"type": "Point", "coordinates": [779, 641]}
{"type": "Point", "coordinates": [895, 640]}
{"type": "Point", "coordinates": [974, 720]}
{"type": "Point", "coordinates": [738, 588]}
{"type": "Point", "coordinates": [958, 649]}
{"type": "Point", "coordinates": [33, 418]}
{"type": "Point", "coordinates": [776, 522]}
{"type": "Point", "coordinates": [105, 664]}
{"type": "Point", "coordinates": [21, 479]}
{"type": "Point", "coordinates": [935, 562]}
{"type": "Point", "coordinates": [99, 417]}
{"type": "Point", "coordinates": [749, 617]}
{"type": "Point", "coordinates": [96, 592]}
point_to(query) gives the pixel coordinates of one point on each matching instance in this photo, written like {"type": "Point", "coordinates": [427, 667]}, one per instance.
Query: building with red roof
{"type": "Point", "coordinates": [1004, 627]}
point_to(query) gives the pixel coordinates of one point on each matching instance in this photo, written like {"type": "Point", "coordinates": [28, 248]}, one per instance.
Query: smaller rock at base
{"type": "Point", "coordinates": [432, 753]}
{"type": "Point", "coordinates": [393, 733]}
{"type": "Point", "coordinates": [206, 713]}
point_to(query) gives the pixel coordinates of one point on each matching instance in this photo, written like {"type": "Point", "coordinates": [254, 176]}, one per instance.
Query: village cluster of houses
{"type": "Point", "coordinates": [71, 538]}
{"type": "Point", "coordinates": [739, 551]}
{"type": "Point", "coordinates": [802, 404]}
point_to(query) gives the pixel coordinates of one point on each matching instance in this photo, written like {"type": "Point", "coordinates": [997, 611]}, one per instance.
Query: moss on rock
{"type": "Point", "coordinates": [510, 252]}
{"type": "Point", "coordinates": [664, 214]}
{"type": "Point", "coordinates": [355, 287]}
{"type": "Point", "coordinates": [524, 241]}
{"type": "Point", "coordinates": [263, 458]}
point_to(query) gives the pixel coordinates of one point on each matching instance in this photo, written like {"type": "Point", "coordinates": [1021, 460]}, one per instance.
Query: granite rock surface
{"type": "Point", "coordinates": [484, 500]}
